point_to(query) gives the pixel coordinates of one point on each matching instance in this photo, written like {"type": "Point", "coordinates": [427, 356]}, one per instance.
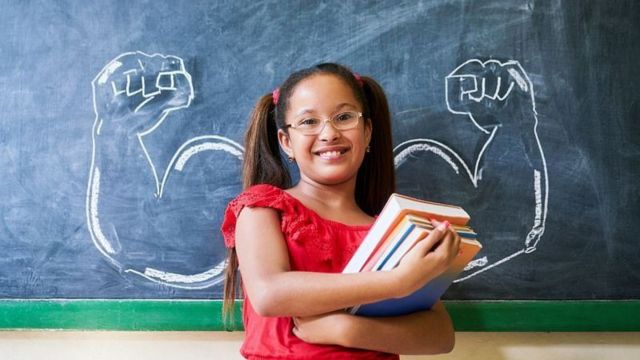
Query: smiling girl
{"type": "Point", "coordinates": [292, 242]}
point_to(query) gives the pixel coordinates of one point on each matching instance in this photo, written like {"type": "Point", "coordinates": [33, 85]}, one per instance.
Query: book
{"type": "Point", "coordinates": [392, 213]}
{"type": "Point", "coordinates": [402, 223]}
{"type": "Point", "coordinates": [409, 231]}
{"type": "Point", "coordinates": [401, 230]}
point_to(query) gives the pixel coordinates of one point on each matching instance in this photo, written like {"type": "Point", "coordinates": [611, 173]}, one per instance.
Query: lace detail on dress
{"type": "Point", "coordinates": [296, 223]}
{"type": "Point", "coordinates": [302, 227]}
{"type": "Point", "coordinates": [255, 196]}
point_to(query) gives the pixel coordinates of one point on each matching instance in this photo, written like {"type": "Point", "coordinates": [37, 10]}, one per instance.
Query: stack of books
{"type": "Point", "coordinates": [402, 223]}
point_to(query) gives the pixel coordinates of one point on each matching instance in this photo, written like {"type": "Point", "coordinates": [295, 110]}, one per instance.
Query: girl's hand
{"type": "Point", "coordinates": [321, 329]}
{"type": "Point", "coordinates": [429, 258]}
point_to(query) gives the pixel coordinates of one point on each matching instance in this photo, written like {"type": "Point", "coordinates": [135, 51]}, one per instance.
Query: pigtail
{"type": "Point", "coordinates": [262, 165]}
{"type": "Point", "coordinates": [262, 161]}
{"type": "Point", "coordinates": [376, 176]}
{"type": "Point", "coordinates": [231, 289]}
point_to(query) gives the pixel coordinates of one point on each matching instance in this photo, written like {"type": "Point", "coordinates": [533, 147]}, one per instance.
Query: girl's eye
{"type": "Point", "coordinates": [344, 117]}
{"type": "Point", "coordinates": [308, 122]}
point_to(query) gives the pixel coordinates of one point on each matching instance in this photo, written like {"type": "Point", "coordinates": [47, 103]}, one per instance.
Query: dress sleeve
{"type": "Point", "coordinates": [256, 196]}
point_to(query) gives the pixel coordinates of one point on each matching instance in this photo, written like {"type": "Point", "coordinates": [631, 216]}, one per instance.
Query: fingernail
{"type": "Point", "coordinates": [443, 225]}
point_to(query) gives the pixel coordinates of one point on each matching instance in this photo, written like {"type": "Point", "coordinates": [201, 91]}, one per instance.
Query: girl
{"type": "Point", "coordinates": [293, 242]}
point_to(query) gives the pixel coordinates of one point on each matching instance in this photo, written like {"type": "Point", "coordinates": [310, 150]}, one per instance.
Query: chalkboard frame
{"type": "Point", "coordinates": [205, 315]}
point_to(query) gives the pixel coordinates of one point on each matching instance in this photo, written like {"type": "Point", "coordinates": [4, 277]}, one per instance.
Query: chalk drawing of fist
{"type": "Point", "coordinates": [140, 89]}
{"type": "Point", "coordinates": [498, 98]}
{"type": "Point", "coordinates": [481, 90]}
{"type": "Point", "coordinates": [149, 216]}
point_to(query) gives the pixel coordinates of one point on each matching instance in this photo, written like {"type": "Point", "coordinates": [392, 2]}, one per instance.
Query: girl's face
{"type": "Point", "coordinates": [333, 156]}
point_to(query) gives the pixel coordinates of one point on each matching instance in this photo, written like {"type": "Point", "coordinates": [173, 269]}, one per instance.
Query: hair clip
{"type": "Point", "coordinates": [358, 79]}
{"type": "Point", "coordinates": [276, 95]}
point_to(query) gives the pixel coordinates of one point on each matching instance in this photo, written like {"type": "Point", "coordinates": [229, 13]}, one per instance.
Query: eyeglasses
{"type": "Point", "coordinates": [313, 126]}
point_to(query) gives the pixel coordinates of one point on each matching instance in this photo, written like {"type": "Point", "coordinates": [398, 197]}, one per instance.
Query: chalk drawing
{"type": "Point", "coordinates": [472, 77]}
{"type": "Point", "coordinates": [127, 79]}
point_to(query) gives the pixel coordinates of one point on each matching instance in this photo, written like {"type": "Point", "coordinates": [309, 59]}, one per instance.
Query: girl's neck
{"type": "Point", "coordinates": [339, 196]}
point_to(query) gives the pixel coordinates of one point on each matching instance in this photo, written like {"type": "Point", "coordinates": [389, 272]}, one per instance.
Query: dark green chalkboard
{"type": "Point", "coordinates": [122, 123]}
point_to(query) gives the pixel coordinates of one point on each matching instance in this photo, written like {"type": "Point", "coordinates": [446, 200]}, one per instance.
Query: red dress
{"type": "Point", "coordinates": [315, 244]}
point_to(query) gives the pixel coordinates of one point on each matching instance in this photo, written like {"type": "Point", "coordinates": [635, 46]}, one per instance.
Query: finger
{"type": "Point", "coordinates": [432, 240]}
{"type": "Point", "coordinates": [183, 89]}
{"type": "Point", "coordinates": [462, 91]}
{"type": "Point", "coordinates": [134, 83]}
{"type": "Point", "coordinates": [149, 86]}
{"type": "Point", "coordinates": [445, 242]}
{"type": "Point", "coordinates": [506, 86]}
{"type": "Point", "coordinates": [165, 81]}
{"type": "Point", "coordinates": [494, 82]}
{"type": "Point", "coordinates": [173, 63]}
{"type": "Point", "coordinates": [462, 85]}
{"type": "Point", "coordinates": [182, 81]}
{"type": "Point", "coordinates": [455, 245]}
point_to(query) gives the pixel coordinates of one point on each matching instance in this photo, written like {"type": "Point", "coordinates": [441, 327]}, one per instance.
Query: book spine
{"type": "Point", "coordinates": [392, 248]}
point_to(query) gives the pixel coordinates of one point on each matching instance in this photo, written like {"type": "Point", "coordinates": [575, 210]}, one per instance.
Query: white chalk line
{"type": "Point", "coordinates": [504, 260]}
{"type": "Point", "coordinates": [202, 280]}
{"type": "Point", "coordinates": [404, 149]}
{"type": "Point", "coordinates": [203, 143]}
{"type": "Point", "coordinates": [184, 153]}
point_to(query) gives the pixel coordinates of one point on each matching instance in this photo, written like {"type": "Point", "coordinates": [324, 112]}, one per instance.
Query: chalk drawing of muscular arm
{"type": "Point", "coordinates": [481, 90]}
{"type": "Point", "coordinates": [133, 95]}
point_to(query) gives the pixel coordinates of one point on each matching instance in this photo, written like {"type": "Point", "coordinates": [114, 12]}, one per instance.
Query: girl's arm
{"type": "Point", "coordinates": [275, 290]}
{"type": "Point", "coordinates": [424, 332]}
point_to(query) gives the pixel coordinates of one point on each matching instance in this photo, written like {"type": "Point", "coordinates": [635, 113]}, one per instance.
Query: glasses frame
{"type": "Point", "coordinates": [324, 124]}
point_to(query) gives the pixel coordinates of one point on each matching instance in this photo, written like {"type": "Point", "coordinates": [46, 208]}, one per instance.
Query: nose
{"type": "Point", "coordinates": [329, 132]}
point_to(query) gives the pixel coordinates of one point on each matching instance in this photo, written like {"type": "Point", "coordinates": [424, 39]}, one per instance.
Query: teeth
{"type": "Point", "coordinates": [330, 154]}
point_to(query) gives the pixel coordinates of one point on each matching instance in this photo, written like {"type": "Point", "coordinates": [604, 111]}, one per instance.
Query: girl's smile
{"type": "Point", "coordinates": [331, 152]}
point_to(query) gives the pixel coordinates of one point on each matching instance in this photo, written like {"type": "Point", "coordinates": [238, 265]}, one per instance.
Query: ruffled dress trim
{"type": "Point", "coordinates": [297, 221]}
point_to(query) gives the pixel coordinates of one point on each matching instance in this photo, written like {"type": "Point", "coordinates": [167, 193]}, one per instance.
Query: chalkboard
{"type": "Point", "coordinates": [122, 126]}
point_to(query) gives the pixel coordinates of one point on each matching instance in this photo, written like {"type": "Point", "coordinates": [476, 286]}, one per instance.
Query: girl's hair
{"type": "Point", "coordinates": [264, 164]}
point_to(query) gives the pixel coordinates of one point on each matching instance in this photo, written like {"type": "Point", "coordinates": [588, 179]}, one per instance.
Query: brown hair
{"type": "Point", "coordinates": [264, 164]}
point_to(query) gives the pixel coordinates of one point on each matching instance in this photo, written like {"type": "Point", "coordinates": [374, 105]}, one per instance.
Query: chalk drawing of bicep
{"type": "Point", "coordinates": [498, 98]}
{"type": "Point", "coordinates": [132, 214]}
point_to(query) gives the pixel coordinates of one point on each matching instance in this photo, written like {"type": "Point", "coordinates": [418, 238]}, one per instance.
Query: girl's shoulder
{"type": "Point", "coordinates": [259, 194]}
{"type": "Point", "coordinates": [262, 195]}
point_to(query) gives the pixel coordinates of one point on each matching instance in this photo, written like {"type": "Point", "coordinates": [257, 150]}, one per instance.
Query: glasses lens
{"type": "Point", "coordinates": [309, 125]}
{"type": "Point", "coordinates": [346, 120]}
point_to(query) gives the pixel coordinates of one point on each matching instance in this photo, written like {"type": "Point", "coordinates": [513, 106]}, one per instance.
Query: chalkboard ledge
{"type": "Point", "coordinates": [205, 315]}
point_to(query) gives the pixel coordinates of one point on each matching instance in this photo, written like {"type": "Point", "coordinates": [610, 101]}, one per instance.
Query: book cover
{"type": "Point", "coordinates": [425, 297]}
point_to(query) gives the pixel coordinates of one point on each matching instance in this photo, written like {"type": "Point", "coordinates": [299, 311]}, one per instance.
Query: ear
{"type": "Point", "coordinates": [368, 130]}
{"type": "Point", "coordinates": [285, 142]}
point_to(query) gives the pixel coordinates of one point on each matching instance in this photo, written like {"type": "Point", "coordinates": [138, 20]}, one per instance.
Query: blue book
{"type": "Point", "coordinates": [425, 297]}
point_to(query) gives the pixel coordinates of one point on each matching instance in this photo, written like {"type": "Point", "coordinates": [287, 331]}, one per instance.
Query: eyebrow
{"type": "Point", "coordinates": [338, 107]}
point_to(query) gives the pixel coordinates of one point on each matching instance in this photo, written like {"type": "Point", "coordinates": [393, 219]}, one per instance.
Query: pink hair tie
{"type": "Point", "coordinates": [276, 95]}
{"type": "Point", "coordinates": [358, 79]}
